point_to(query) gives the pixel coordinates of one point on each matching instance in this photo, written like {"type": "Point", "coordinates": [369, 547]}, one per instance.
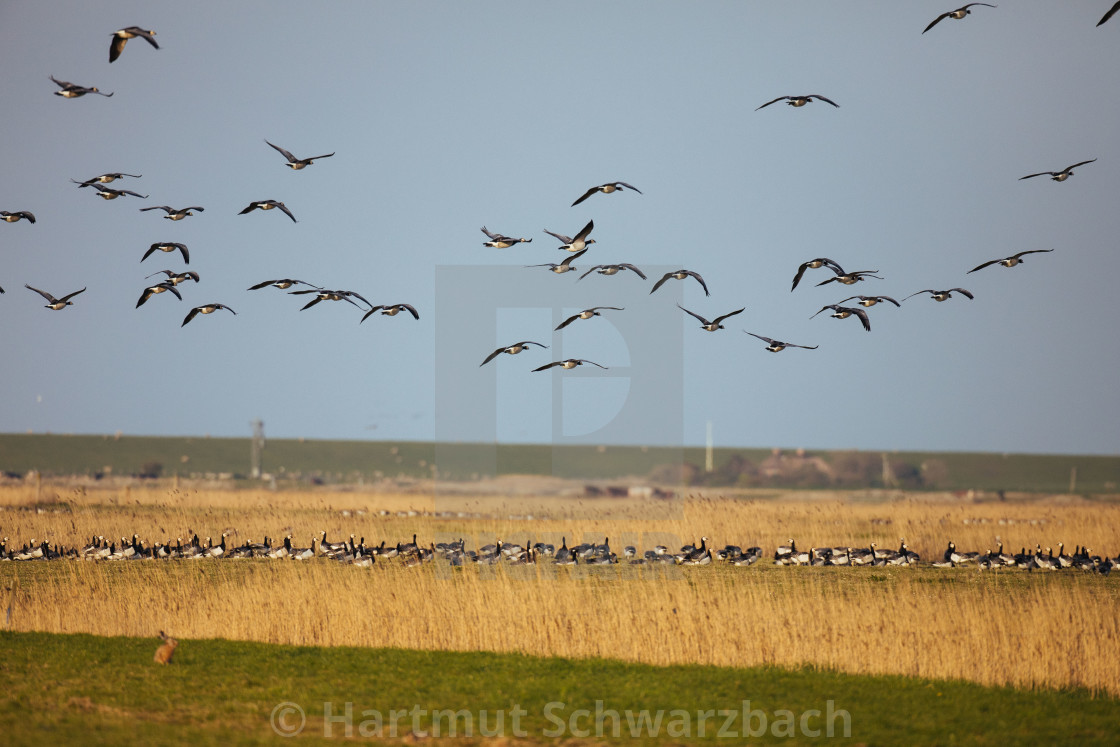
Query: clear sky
{"type": "Point", "coordinates": [447, 116]}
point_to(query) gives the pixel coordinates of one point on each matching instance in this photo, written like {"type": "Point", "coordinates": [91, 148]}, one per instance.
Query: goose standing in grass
{"type": "Point", "coordinates": [297, 163]}
{"type": "Point", "coordinates": [815, 264]}
{"type": "Point", "coordinates": [500, 241]}
{"type": "Point", "coordinates": [957, 14]}
{"type": "Point", "coordinates": [269, 205]}
{"type": "Point", "coordinates": [943, 295]}
{"type": "Point", "coordinates": [577, 243]}
{"type": "Point", "coordinates": [614, 270]}
{"type": "Point", "coordinates": [1014, 259]}
{"type": "Point", "coordinates": [209, 308]}
{"type": "Point", "coordinates": [681, 275]}
{"type": "Point", "coordinates": [172, 213]}
{"type": "Point", "coordinates": [843, 312]}
{"type": "Point", "coordinates": [713, 325]}
{"type": "Point", "coordinates": [168, 246]}
{"type": "Point", "coordinates": [121, 37]}
{"type": "Point", "coordinates": [569, 363]}
{"type": "Point", "coordinates": [586, 314]}
{"type": "Point", "coordinates": [606, 189]}
{"type": "Point", "coordinates": [799, 101]}
{"type": "Point", "coordinates": [56, 304]}
{"type": "Point", "coordinates": [392, 310]}
{"type": "Point", "coordinates": [565, 266]}
{"type": "Point", "coordinates": [1058, 176]}
{"type": "Point", "coordinates": [513, 349]}
{"type": "Point", "coordinates": [152, 290]}
{"type": "Point", "coordinates": [18, 215]}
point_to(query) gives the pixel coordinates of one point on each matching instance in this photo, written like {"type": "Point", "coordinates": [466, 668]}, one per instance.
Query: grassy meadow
{"type": "Point", "coordinates": [1002, 628]}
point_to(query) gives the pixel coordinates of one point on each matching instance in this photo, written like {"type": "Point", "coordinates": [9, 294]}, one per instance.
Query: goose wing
{"type": "Point", "coordinates": [694, 314]}
{"type": "Point", "coordinates": [982, 266]}
{"type": "Point", "coordinates": [286, 154]}
{"type": "Point", "coordinates": [768, 103]}
{"type": "Point", "coordinates": [822, 98]}
{"type": "Point", "coordinates": [719, 319]}
{"type": "Point", "coordinates": [586, 194]}
{"type": "Point", "coordinates": [1111, 12]}
{"type": "Point", "coordinates": [633, 269]}
{"type": "Point", "coordinates": [963, 292]}
{"type": "Point", "coordinates": [44, 294]}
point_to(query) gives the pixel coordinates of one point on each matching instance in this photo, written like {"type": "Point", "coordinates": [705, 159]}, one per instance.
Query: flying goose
{"type": "Point", "coordinates": [172, 213]}
{"type": "Point", "coordinates": [269, 205]}
{"type": "Point", "coordinates": [1109, 14]}
{"type": "Point", "coordinates": [68, 90]}
{"type": "Point", "coordinates": [57, 304]}
{"type": "Point", "coordinates": [168, 246]}
{"type": "Point", "coordinates": [606, 189]}
{"type": "Point", "coordinates": [109, 193]}
{"type": "Point", "coordinates": [579, 242]}
{"type": "Point", "coordinates": [1058, 176]}
{"type": "Point", "coordinates": [152, 290]}
{"type": "Point", "coordinates": [777, 346]}
{"type": "Point", "coordinates": [282, 284]}
{"type": "Point", "coordinates": [209, 308]}
{"type": "Point", "coordinates": [1014, 259]}
{"type": "Point", "coordinates": [850, 278]}
{"type": "Point", "coordinates": [112, 176]}
{"type": "Point", "coordinates": [392, 310]}
{"type": "Point", "coordinates": [297, 163]}
{"type": "Point", "coordinates": [513, 349]}
{"type": "Point", "coordinates": [614, 270]}
{"type": "Point", "coordinates": [569, 363]}
{"type": "Point", "coordinates": [681, 275]}
{"type": "Point", "coordinates": [500, 241]}
{"type": "Point", "coordinates": [869, 301]}
{"type": "Point", "coordinates": [565, 266]}
{"type": "Point", "coordinates": [8, 217]}
{"type": "Point", "coordinates": [843, 312]}
{"type": "Point", "coordinates": [943, 295]}
{"type": "Point", "coordinates": [799, 100]}
{"type": "Point", "coordinates": [814, 264]}
{"type": "Point", "coordinates": [957, 14]}
{"type": "Point", "coordinates": [121, 37]}
{"type": "Point", "coordinates": [329, 295]}
{"type": "Point", "coordinates": [587, 314]}
{"type": "Point", "coordinates": [713, 325]}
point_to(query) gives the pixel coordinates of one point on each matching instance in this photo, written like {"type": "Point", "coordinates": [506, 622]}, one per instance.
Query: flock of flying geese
{"type": "Point", "coordinates": [355, 552]}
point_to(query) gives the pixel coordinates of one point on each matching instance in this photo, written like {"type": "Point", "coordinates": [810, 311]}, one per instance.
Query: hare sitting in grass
{"type": "Point", "coordinates": [166, 650]}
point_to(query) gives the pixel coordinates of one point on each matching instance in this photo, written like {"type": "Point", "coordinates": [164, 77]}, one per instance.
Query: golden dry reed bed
{"type": "Point", "coordinates": [1003, 627]}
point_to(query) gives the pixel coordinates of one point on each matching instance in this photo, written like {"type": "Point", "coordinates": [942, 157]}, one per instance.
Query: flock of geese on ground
{"type": "Point", "coordinates": [356, 552]}
{"type": "Point", "coordinates": [576, 245]}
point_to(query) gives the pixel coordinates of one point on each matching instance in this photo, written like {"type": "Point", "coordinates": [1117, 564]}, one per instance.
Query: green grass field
{"type": "Point", "coordinates": [86, 689]}
{"type": "Point", "coordinates": [359, 461]}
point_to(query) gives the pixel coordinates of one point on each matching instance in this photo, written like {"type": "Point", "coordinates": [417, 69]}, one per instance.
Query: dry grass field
{"type": "Point", "coordinates": [1048, 630]}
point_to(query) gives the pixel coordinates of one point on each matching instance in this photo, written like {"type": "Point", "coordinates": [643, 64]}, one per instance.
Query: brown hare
{"type": "Point", "coordinates": [166, 650]}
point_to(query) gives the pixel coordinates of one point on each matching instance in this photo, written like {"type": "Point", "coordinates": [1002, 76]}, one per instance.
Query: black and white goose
{"type": "Point", "coordinates": [68, 90]}
{"type": "Point", "coordinates": [850, 278]}
{"type": "Point", "coordinates": [121, 37]}
{"type": "Point", "coordinates": [614, 270]}
{"type": "Point", "coordinates": [586, 314]}
{"type": "Point", "coordinates": [798, 101]}
{"type": "Point", "coordinates": [1058, 176]}
{"type": "Point", "coordinates": [957, 14]}
{"type": "Point", "coordinates": [606, 189]}
{"type": "Point", "coordinates": [297, 163]}
{"type": "Point", "coordinates": [17, 215]}
{"type": "Point", "coordinates": [869, 301]}
{"type": "Point", "coordinates": [513, 349]}
{"type": "Point", "coordinates": [330, 295]}
{"type": "Point", "coordinates": [565, 266]}
{"type": "Point", "coordinates": [815, 264]}
{"type": "Point", "coordinates": [152, 290]}
{"type": "Point", "coordinates": [56, 304]}
{"type": "Point", "coordinates": [714, 324]}
{"type": "Point", "coordinates": [269, 205]}
{"type": "Point", "coordinates": [392, 310]}
{"type": "Point", "coordinates": [501, 241]}
{"type": "Point", "coordinates": [109, 193]}
{"type": "Point", "coordinates": [173, 213]}
{"type": "Point", "coordinates": [569, 363]}
{"type": "Point", "coordinates": [777, 346]}
{"type": "Point", "coordinates": [209, 308]}
{"type": "Point", "coordinates": [943, 295]}
{"type": "Point", "coordinates": [1012, 261]}
{"type": "Point", "coordinates": [843, 312]}
{"type": "Point", "coordinates": [681, 275]}
{"type": "Point", "coordinates": [112, 176]}
{"type": "Point", "coordinates": [168, 246]}
{"type": "Point", "coordinates": [282, 284]}
{"type": "Point", "coordinates": [576, 243]}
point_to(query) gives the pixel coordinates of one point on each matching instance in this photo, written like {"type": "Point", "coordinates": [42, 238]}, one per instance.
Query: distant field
{"type": "Point", "coordinates": [356, 462]}
{"type": "Point", "coordinates": [81, 689]}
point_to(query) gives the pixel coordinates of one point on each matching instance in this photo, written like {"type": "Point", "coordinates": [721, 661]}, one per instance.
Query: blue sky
{"type": "Point", "coordinates": [446, 116]}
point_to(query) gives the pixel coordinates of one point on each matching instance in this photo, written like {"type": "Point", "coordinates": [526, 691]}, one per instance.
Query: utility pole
{"type": "Point", "coordinates": [256, 446]}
